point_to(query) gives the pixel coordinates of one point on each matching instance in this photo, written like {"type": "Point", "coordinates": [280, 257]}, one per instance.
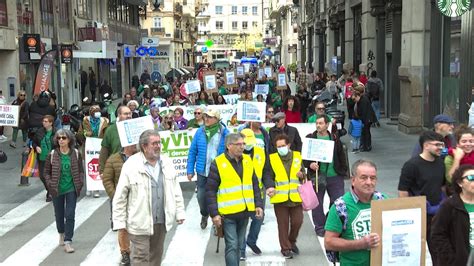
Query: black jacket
{"type": "Point", "coordinates": [37, 110]}
{"type": "Point", "coordinates": [365, 111]}
{"type": "Point", "coordinates": [339, 158]}
{"type": "Point", "coordinates": [39, 135]}
{"type": "Point", "coordinates": [450, 233]}
{"type": "Point", "coordinates": [292, 134]}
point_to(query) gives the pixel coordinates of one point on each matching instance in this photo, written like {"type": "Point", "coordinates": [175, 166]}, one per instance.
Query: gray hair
{"type": "Point", "coordinates": [145, 137]}
{"type": "Point", "coordinates": [356, 164]}
{"type": "Point", "coordinates": [233, 137]}
{"type": "Point", "coordinates": [65, 132]}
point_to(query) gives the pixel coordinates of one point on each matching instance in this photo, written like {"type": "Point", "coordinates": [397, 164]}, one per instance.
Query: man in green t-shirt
{"type": "Point", "coordinates": [354, 239]}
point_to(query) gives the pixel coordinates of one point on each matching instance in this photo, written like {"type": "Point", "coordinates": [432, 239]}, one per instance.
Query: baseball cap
{"type": "Point", "coordinates": [213, 113]}
{"type": "Point", "coordinates": [441, 118]}
{"type": "Point", "coordinates": [249, 136]}
{"type": "Point", "coordinates": [278, 116]}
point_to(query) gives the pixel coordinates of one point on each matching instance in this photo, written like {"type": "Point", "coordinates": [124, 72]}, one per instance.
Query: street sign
{"type": "Point", "coordinates": [150, 41]}
{"type": "Point", "coordinates": [32, 43]}
{"type": "Point", "coordinates": [66, 53]}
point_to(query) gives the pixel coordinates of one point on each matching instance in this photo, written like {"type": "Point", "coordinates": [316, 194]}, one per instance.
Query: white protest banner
{"type": "Point", "coordinates": [9, 115]}
{"type": "Point", "coordinates": [262, 89]}
{"type": "Point", "coordinates": [247, 67]}
{"type": "Point", "coordinates": [240, 71]}
{"type": "Point", "coordinates": [210, 82]}
{"type": "Point", "coordinates": [268, 72]}
{"type": "Point", "coordinates": [261, 72]}
{"type": "Point", "coordinates": [176, 146]}
{"type": "Point", "coordinates": [317, 150]}
{"type": "Point", "coordinates": [231, 98]}
{"type": "Point", "coordinates": [130, 130]}
{"type": "Point", "coordinates": [251, 111]}
{"type": "Point", "coordinates": [281, 81]}
{"type": "Point", "coordinates": [192, 86]}
{"type": "Point", "coordinates": [91, 159]}
{"type": "Point", "coordinates": [230, 79]}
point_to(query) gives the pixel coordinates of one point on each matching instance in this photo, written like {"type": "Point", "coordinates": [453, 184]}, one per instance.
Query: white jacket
{"type": "Point", "coordinates": [132, 204]}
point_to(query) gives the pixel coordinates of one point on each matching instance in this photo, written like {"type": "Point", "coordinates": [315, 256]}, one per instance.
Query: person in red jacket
{"type": "Point", "coordinates": [291, 108]}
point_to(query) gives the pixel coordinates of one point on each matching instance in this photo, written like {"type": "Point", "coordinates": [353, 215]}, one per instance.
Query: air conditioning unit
{"type": "Point", "coordinates": [98, 24]}
{"type": "Point", "coordinates": [168, 35]}
{"type": "Point", "coordinates": [90, 24]}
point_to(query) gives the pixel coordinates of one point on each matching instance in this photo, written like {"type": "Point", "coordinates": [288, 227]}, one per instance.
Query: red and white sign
{"type": "Point", "coordinates": [91, 157]}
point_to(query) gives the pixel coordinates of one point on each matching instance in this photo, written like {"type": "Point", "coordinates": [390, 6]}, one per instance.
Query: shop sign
{"type": "Point", "coordinates": [453, 8]}
{"type": "Point", "coordinates": [150, 51]}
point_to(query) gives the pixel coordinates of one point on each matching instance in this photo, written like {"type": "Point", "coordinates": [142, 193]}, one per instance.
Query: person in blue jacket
{"type": "Point", "coordinates": [207, 144]}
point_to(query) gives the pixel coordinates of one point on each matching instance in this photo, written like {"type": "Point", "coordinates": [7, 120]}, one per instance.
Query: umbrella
{"type": "Point", "coordinates": [266, 52]}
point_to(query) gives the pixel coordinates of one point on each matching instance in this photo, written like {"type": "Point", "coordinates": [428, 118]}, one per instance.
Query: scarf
{"type": "Point", "coordinates": [95, 123]}
{"type": "Point", "coordinates": [211, 130]}
{"type": "Point", "coordinates": [467, 159]}
{"type": "Point", "coordinates": [156, 122]}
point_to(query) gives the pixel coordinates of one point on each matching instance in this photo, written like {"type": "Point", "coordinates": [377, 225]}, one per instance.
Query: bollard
{"type": "Point", "coordinates": [24, 179]}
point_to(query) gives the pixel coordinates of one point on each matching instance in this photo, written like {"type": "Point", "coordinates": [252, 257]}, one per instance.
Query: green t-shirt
{"type": "Point", "coordinates": [358, 225]}
{"type": "Point", "coordinates": [66, 183]}
{"type": "Point", "coordinates": [111, 139]}
{"type": "Point", "coordinates": [277, 100]}
{"type": "Point", "coordinates": [46, 145]}
{"type": "Point", "coordinates": [327, 168]}
{"type": "Point", "coordinates": [222, 90]}
{"type": "Point", "coordinates": [470, 210]}
{"type": "Point", "coordinates": [312, 119]}
{"type": "Point", "coordinates": [260, 141]}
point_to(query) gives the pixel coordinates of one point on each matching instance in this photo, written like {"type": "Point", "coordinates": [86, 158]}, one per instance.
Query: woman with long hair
{"type": "Point", "coordinates": [291, 108]}
{"type": "Point", "coordinates": [23, 125]}
{"type": "Point", "coordinates": [43, 144]}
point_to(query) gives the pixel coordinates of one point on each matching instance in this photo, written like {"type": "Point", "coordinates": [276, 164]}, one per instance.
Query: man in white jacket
{"type": "Point", "coordinates": [148, 200]}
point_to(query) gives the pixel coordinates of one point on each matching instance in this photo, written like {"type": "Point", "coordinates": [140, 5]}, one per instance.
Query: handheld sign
{"type": "Point", "coordinates": [247, 67]}
{"type": "Point", "coordinates": [240, 71]}
{"type": "Point", "coordinates": [317, 150]}
{"type": "Point", "coordinates": [9, 115]}
{"type": "Point", "coordinates": [261, 72]}
{"type": "Point", "coordinates": [262, 89]}
{"type": "Point", "coordinates": [91, 158]}
{"type": "Point", "coordinates": [230, 80]}
{"type": "Point", "coordinates": [281, 81]}
{"type": "Point", "coordinates": [130, 130]}
{"type": "Point", "coordinates": [210, 83]}
{"type": "Point", "coordinates": [192, 86]}
{"type": "Point", "coordinates": [251, 111]}
{"type": "Point", "coordinates": [268, 71]}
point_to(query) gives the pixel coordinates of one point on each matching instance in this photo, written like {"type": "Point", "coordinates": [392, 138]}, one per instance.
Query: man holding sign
{"type": "Point", "coordinates": [330, 175]}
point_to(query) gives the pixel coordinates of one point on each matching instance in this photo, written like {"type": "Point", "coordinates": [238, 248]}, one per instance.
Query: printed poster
{"type": "Point", "coordinates": [262, 89]}
{"type": "Point", "coordinates": [240, 71]}
{"type": "Point", "coordinates": [192, 86]}
{"type": "Point", "coordinates": [268, 72]}
{"type": "Point", "coordinates": [251, 111]}
{"type": "Point", "coordinates": [9, 115]}
{"type": "Point", "coordinates": [176, 146]}
{"type": "Point", "coordinates": [91, 161]}
{"type": "Point", "coordinates": [130, 130]}
{"type": "Point", "coordinates": [260, 74]}
{"type": "Point", "coordinates": [281, 81]}
{"type": "Point", "coordinates": [317, 150]}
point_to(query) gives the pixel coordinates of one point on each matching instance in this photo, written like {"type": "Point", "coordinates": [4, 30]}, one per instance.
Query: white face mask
{"type": "Point", "coordinates": [283, 150]}
{"type": "Point", "coordinates": [97, 114]}
{"type": "Point", "coordinates": [248, 147]}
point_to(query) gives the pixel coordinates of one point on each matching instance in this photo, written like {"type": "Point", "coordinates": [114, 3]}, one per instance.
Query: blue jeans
{"type": "Point", "coordinates": [201, 194]}
{"type": "Point", "coordinates": [355, 143]}
{"type": "Point", "coordinates": [65, 209]}
{"type": "Point", "coordinates": [376, 107]}
{"type": "Point", "coordinates": [234, 233]}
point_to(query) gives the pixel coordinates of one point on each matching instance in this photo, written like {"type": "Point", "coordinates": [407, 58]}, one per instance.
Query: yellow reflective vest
{"type": "Point", "coordinates": [235, 194]}
{"type": "Point", "coordinates": [259, 164]}
{"type": "Point", "coordinates": [286, 188]}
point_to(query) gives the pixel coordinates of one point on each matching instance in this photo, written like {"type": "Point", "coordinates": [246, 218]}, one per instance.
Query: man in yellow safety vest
{"type": "Point", "coordinates": [233, 195]}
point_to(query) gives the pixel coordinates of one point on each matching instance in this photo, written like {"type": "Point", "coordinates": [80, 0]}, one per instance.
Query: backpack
{"type": "Point", "coordinates": [341, 210]}
{"type": "Point", "coordinates": [373, 90]}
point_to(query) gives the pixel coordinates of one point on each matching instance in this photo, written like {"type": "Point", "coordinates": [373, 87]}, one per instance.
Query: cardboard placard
{"type": "Point", "coordinates": [268, 71]}
{"type": "Point", "coordinates": [130, 130]}
{"type": "Point", "coordinates": [251, 111]}
{"type": "Point", "coordinates": [192, 86]}
{"type": "Point", "coordinates": [262, 89]}
{"type": "Point", "coordinates": [9, 115]}
{"type": "Point", "coordinates": [230, 80]}
{"type": "Point", "coordinates": [240, 71]}
{"type": "Point", "coordinates": [408, 212]}
{"type": "Point", "coordinates": [281, 81]}
{"type": "Point", "coordinates": [261, 72]}
{"type": "Point", "coordinates": [210, 82]}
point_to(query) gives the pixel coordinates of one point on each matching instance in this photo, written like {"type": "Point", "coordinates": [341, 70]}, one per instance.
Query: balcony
{"type": "Point", "coordinates": [178, 10]}
{"type": "Point", "coordinates": [158, 31]}
{"type": "Point", "coordinates": [89, 34]}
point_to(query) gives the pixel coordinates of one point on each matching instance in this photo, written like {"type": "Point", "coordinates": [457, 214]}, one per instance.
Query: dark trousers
{"type": "Point", "coordinates": [350, 107]}
{"type": "Point", "coordinates": [65, 212]}
{"type": "Point", "coordinates": [289, 220]}
{"type": "Point", "coordinates": [429, 218]}
{"type": "Point", "coordinates": [1, 130]}
{"type": "Point", "coordinates": [92, 95]}
{"type": "Point", "coordinates": [201, 195]}
{"type": "Point", "coordinates": [366, 137]}
{"type": "Point", "coordinates": [41, 172]}
{"type": "Point", "coordinates": [335, 188]}
{"type": "Point", "coordinates": [83, 90]}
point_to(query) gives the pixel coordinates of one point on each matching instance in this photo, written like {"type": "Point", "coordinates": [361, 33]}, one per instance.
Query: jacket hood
{"type": "Point", "coordinates": [43, 102]}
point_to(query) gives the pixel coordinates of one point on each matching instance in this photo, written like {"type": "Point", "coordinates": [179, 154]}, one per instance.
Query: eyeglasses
{"type": "Point", "coordinates": [238, 144]}
{"type": "Point", "coordinates": [438, 144]}
{"type": "Point", "coordinates": [62, 137]}
{"type": "Point", "coordinates": [269, 112]}
{"type": "Point", "coordinates": [321, 109]}
{"type": "Point", "coordinates": [156, 143]}
{"type": "Point", "coordinates": [197, 113]}
{"type": "Point", "coordinates": [469, 178]}
{"type": "Point", "coordinates": [22, 94]}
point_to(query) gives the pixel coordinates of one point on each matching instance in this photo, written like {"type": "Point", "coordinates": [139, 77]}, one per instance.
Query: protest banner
{"type": "Point", "coordinates": [262, 89]}
{"type": "Point", "coordinates": [268, 71]}
{"type": "Point", "coordinates": [317, 150]}
{"type": "Point", "coordinates": [231, 98]}
{"type": "Point", "coordinates": [247, 67]}
{"type": "Point", "coordinates": [240, 71]}
{"type": "Point", "coordinates": [91, 159]}
{"type": "Point", "coordinates": [210, 82]}
{"type": "Point", "coordinates": [251, 111]}
{"type": "Point", "coordinates": [260, 74]}
{"type": "Point", "coordinates": [9, 115]}
{"type": "Point", "coordinates": [281, 81]}
{"type": "Point", "coordinates": [130, 130]}
{"type": "Point", "coordinates": [176, 146]}
{"type": "Point", "coordinates": [401, 225]}
{"type": "Point", "coordinates": [230, 80]}
{"type": "Point", "coordinates": [192, 86]}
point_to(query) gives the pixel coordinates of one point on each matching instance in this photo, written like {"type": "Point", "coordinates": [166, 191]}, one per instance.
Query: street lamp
{"type": "Point", "coordinates": [245, 41]}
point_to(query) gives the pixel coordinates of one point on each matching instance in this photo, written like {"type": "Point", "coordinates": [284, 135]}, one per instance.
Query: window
{"type": "Point", "coordinates": [244, 10]}
{"type": "Point", "coordinates": [64, 12]}
{"type": "Point", "coordinates": [234, 25]}
{"type": "Point", "coordinates": [234, 10]}
{"type": "Point", "coordinates": [244, 25]}
{"type": "Point", "coordinates": [255, 10]}
{"type": "Point", "coordinates": [84, 9]}
{"type": "Point", "coordinates": [3, 13]}
{"type": "Point", "coordinates": [219, 25]}
{"type": "Point", "coordinates": [218, 10]}
{"type": "Point", "coordinates": [255, 24]}
{"type": "Point", "coordinates": [156, 22]}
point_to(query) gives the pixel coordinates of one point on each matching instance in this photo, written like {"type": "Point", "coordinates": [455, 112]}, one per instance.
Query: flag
{"type": "Point", "coordinates": [43, 76]}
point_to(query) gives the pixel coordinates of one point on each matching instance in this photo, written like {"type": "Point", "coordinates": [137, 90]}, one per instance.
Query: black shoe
{"type": "Point", "coordinates": [49, 198]}
{"type": "Point", "coordinates": [287, 254]}
{"type": "Point", "coordinates": [320, 232]}
{"type": "Point", "coordinates": [255, 249]}
{"type": "Point", "coordinates": [204, 222]}
{"type": "Point", "coordinates": [295, 249]}
{"type": "Point", "coordinates": [125, 259]}
{"type": "Point", "coordinates": [242, 256]}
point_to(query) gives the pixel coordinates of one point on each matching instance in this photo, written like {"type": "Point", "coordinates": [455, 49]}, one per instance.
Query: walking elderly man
{"type": "Point", "coordinates": [148, 200]}
{"type": "Point", "coordinates": [233, 194]}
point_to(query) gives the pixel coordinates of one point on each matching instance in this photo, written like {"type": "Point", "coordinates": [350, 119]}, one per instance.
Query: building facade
{"type": "Point", "coordinates": [285, 14]}
{"type": "Point", "coordinates": [419, 53]}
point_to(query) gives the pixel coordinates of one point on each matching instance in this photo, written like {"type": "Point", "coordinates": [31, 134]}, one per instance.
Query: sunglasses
{"type": "Point", "coordinates": [22, 94]}
{"type": "Point", "coordinates": [321, 109]}
{"type": "Point", "coordinates": [469, 178]}
{"type": "Point", "coordinates": [62, 137]}
{"type": "Point", "coordinates": [197, 113]}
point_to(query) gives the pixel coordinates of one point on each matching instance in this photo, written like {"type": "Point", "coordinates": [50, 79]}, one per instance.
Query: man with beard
{"type": "Point", "coordinates": [423, 175]}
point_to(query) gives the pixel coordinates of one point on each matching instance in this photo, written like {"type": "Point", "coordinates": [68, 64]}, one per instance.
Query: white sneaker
{"type": "Point", "coordinates": [2, 137]}
{"type": "Point", "coordinates": [96, 194]}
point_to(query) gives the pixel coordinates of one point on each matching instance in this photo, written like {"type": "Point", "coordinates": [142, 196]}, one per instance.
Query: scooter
{"type": "Point", "coordinates": [331, 109]}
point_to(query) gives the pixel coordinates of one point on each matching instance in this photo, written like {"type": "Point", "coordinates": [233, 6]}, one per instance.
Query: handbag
{"type": "Point", "coordinates": [31, 167]}
{"type": "Point", "coordinates": [308, 196]}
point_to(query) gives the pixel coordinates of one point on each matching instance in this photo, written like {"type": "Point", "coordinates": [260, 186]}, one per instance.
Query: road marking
{"type": "Point", "coordinates": [22, 213]}
{"type": "Point", "coordinates": [43, 244]}
{"type": "Point", "coordinates": [106, 252]}
{"type": "Point", "coordinates": [189, 243]}
{"type": "Point", "coordinates": [321, 239]}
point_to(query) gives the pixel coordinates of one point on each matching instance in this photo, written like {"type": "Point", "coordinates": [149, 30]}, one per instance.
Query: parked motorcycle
{"type": "Point", "coordinates": [331, 109]}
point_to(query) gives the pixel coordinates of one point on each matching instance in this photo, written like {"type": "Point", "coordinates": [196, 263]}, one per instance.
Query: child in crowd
{"type": "Point", "coordinates": [355, 130]}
